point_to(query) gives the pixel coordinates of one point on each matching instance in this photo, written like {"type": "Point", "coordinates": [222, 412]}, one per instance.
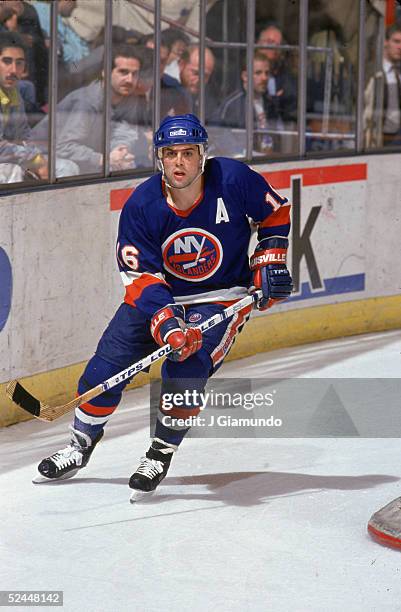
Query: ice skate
{"type": "Point", "coordinates": [66, 462]}
{"type": "Point", "coordinates": [152, 469]}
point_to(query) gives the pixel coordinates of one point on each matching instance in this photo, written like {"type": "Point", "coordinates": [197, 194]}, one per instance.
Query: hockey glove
{"type": "Point", "coordinates": [270, 274]}
{"type": "Point", "coordinates": [168, 325]}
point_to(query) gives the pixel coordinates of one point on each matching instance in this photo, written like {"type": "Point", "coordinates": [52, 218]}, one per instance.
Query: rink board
{"type": "Point", "coordinates": [64, 286]}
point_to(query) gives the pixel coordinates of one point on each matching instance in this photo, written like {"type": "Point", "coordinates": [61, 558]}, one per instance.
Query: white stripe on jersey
{"type": "Point", "coordinates": [129, 277]}
{"type": "Point", "coordinates": [221, 295]}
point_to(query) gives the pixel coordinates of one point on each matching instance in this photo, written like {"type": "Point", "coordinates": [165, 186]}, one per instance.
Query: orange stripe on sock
{"type": "Point", "coordinates": [181, 413]}
{"type": "Point", "coordinates": [98, 410]}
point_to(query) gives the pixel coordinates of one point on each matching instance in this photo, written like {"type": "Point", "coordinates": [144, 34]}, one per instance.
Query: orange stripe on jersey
{"type": "Point", "coordinates": [187, 212]}
{"type": "Point", "coordinates": [134, 290]}
{"type": "Point", "coordinates": [280, 217]}
{"type": "Point", "coordinates": [98, 410]}
{"type": "Point", "coordinates": [178, 211]}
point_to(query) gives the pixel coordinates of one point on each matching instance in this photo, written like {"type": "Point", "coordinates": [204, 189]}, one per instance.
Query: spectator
{"type": "Point", "coordinates": [232, 111]}
{"type": "Point", "coordinates": [90, 67]}
{"type": "Point", "coordinates": [174, 99]}
{"type": "Point", "coordinates": [9, 22]}
{"type": "Point", "coordinates": [189, 77]}
{"type": "Point", "coordinates": [25, 22]}
{"type": "Point", "coordinates": [178, 43]}
{"type": "Point", "coordinates": [79, 124]}
{"type": "Point", "coordinates": [281, 86]}
{"type": "Point", "coordinates": [8, 16]}
{"type": "Point", "coordinates": [383, 112]}
{"type": "Point", "coordinates": [17, 158]}
{"type": "Point", "coordinates": [27, 92]}
{"type": "Point", "coordinates": [71, 47]}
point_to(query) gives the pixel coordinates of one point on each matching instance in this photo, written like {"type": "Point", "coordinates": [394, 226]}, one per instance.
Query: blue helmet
{"type": "Point", "coordinates": [181, 129]}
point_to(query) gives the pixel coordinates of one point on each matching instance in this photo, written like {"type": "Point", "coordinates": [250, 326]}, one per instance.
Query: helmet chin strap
{"type": "Point", "coordinates": [202, 151]}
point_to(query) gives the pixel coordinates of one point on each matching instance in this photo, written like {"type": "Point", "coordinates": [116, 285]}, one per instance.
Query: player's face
{"type": "Point", "coordinates": [260, 76]}
{"type": "Point", "coordinates": [12, 66]}
{"type": "Point", "coordinates": [393, 47]}
{"type": "Point", "coordinates": [181, 164]}
{"type": "Point", "coordinates": [124, 76]}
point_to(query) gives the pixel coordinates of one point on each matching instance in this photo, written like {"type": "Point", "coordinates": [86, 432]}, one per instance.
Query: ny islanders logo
{"type": "Point", "coordinates": [192, 254]}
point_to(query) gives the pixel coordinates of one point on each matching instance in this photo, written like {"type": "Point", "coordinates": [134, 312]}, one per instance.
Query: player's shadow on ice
{"type": "Point", "coordinates": [252, 488]}
{"type": "Point", "coordinates": [244, 488]}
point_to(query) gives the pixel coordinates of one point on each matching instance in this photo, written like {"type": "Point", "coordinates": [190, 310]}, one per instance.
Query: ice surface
{"type": "Point", "coordinates": [241, 525]}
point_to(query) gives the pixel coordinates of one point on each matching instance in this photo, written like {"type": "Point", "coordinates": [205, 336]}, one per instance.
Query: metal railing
{"type": "Point", "coordinates": [303, 49]}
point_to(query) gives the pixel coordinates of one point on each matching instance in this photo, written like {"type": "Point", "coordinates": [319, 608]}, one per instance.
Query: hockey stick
{"type": "Point", "coordinates": [20, 396]}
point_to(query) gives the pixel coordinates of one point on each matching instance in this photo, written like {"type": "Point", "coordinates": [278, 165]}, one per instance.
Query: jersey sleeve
{"type": "Point", "coordinates": [140, 262]}
{"type": "Point", "coordinates": [269, 210]}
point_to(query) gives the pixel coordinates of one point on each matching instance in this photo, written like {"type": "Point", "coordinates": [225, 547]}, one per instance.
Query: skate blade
{"type": "Point", "coordinates": [39, 479]}
{"type": "Point", "coordinates": [138, 496]}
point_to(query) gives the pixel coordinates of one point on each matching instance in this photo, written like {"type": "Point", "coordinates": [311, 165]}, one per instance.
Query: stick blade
{"type": "Point", "coordinates": [384, 525]}
{"type": "Point", "coordinates": [20, 396]}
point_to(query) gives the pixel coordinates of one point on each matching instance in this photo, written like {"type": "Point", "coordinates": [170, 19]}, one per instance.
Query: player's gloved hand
{"type": "Point", "coordinates": [270, 274]}
{"type": "Point", "coordinates": [168, 325]}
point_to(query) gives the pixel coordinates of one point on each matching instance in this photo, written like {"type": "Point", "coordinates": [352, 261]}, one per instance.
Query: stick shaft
{"type": "Point", "coordinates": [166, 349]}
{"type": "Point", "coordinates": [28, 402]}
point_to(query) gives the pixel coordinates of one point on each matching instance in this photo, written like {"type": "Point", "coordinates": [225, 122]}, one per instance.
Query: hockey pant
{"type": "Point", "coordinates": [127, 339]}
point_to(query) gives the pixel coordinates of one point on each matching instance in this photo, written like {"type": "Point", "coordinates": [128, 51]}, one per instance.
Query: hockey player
{"type": "Point", "coordinates": [182, 251]}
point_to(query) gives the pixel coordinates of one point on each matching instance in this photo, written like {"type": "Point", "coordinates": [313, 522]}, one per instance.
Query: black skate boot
{"type": "Point", "coordinates": [68, 461]}
{"type": "Point", "coordinates": [152, 469]}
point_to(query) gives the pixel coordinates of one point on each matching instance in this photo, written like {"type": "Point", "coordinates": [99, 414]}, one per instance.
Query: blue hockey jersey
{"type": "Point", "coordinates": [201, 254]}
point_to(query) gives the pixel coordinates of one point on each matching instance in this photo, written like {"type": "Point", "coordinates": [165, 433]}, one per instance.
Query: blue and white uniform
{"type": "Point", "coordinates": [201, 254]}
{"type": "Point", "coordinates": [198, 258]}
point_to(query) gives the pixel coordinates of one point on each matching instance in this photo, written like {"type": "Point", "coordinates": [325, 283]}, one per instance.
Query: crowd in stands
{"type": "Point", "coordinates": [79, 125]}
{"type": "Point", "coordinates": [382, 116]}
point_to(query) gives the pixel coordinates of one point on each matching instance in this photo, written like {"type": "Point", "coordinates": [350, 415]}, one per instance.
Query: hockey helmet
{"type": "Point", "coordinates": [181, 129]}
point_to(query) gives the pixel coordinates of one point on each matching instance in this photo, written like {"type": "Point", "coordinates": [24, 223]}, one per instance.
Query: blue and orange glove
{"type": "Point", "coordinates": [168, 325]}
{"type": "Point", "coordinates": [270, 274]}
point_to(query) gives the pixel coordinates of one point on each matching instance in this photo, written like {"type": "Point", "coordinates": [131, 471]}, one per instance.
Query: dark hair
{"type": "Point", "coordinates": [146, 55]}
{"type": "Point", "coordinates": [171, 35]}
{"type": "Point", "coordinates": [11, 40]}
{"type": "Point", "coordinates": [127, 51]}
{"type": "Point", "coordinates": [122, 36]}
{"type": "Point", "coordinates": [257, 56]}
{"type": "Point", "coordinates": [392, 29]}
{"type": "Point", "coordinates": [164, 40]}
{"type": "Point", "coordinates": [266, 25]}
